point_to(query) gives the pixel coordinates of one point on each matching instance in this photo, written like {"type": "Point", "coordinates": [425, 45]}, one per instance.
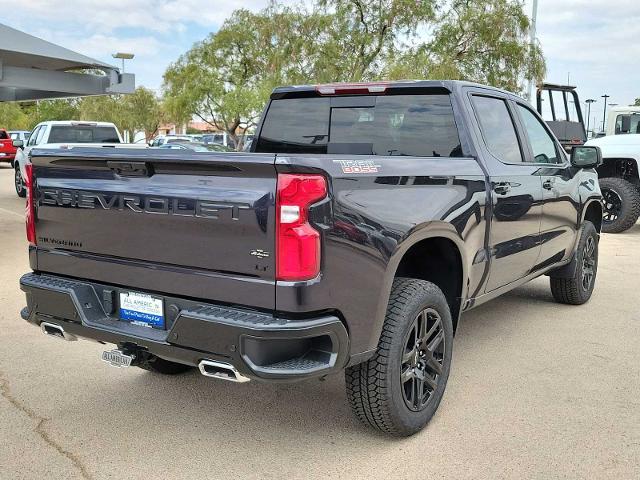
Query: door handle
{"type": "Point", "coordinates": [548, 183]}
{"type": "Point", "coordinates": [502, 188]}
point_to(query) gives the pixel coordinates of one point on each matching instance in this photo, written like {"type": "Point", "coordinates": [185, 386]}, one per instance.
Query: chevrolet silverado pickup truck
{"type": "Point", "coordinates": [365, 221]}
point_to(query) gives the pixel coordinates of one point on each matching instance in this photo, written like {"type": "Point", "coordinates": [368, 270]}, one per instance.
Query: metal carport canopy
{"type": "Point", "coordinates": [32, 69]}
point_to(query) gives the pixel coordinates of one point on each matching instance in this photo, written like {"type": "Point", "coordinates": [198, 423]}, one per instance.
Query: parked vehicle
{"type": "Point", "coordinates": [623, 120]}
{"type": "Point", "coordinates": [196, 147]}
{"type": "Point", "coordinates": [163, 139]}
{"type": "Point", "coordinates": [619, 180]}
{"type": "Point", "coordinates": [7, 150]}
{"type": "Point", "coordinates": [21, 135]}
{"type": "Point", "coordinates": [61, 135]}
{"type": "Point", "coordinates": [366, 220]}
{"type": "Point", "coordinates": [219, 138]}
{"type": "Point", "coordinates": [559, 106]}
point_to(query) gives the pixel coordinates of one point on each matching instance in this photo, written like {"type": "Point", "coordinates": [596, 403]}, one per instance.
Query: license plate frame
{"type": "Point", "coordinates": [142, 309]}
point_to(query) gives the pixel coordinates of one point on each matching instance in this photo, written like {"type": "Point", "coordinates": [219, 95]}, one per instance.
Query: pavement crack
{"type": "Point", "coordinates": [40, 429]}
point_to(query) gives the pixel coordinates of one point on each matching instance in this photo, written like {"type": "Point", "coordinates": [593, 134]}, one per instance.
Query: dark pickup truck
{"type": "Point", "coordinates": [367, 218]}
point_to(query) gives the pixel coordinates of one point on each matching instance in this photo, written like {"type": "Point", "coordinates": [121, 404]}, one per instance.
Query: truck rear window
{"type": "Point", "coordinates": [405, 125]}
{"type": "Point", "coordinates": [82, 134]}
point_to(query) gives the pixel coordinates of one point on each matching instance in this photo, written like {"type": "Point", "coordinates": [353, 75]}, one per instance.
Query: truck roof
{"type": "Point", "coordinates": [623, 109]}
{"type": "Point", "coordinates": [78, 122]}
{"type": "Point", "coordinates": [358, 88]}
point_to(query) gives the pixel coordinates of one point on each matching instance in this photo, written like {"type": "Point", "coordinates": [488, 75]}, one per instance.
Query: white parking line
{"type": "Point", "coordinates": [12, 213]}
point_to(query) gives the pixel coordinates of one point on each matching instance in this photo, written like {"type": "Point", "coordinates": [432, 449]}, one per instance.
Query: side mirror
{"type": "Point", "coordinates": [586, 157]}
{"type": "Point", "coordinates": [18, 143]}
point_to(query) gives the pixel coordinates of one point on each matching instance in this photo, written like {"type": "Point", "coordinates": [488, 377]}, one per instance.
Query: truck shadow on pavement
{"type": "Point", "coordinates": [208, 409]}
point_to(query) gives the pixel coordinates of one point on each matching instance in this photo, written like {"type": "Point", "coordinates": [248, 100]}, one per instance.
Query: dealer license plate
{"type": "Point", "coordinates": [142, 309]}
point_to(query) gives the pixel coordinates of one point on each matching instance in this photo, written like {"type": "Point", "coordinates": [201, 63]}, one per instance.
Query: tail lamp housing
{"type": "Point", "coordinates": [30, 213]}
{"type": "Point", "coordinates": [297, 242]}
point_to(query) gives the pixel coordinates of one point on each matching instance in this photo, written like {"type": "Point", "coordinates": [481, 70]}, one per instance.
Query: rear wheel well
{"type": "Point", "coordinates": [436, 260]}
{"type": "Point", "coordinates": [594, 215]}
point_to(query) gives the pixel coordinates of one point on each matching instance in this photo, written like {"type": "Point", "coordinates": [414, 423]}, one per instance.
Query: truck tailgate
{"type": "Point", "coordinates": [195, 224]}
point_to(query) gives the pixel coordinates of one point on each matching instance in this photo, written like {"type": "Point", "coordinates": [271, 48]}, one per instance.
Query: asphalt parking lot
{"type": "Point", "coordinates": [537, 390]}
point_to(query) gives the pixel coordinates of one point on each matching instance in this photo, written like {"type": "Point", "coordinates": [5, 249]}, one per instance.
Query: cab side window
{"type": "Point", "coordinates": [497, 128]}
{"type": "Point", "coordinates": [40, 134]}
{"type": "Point", "coordinates": [34, 135]}
{"type": "Point", "coordinates": [542, 144]}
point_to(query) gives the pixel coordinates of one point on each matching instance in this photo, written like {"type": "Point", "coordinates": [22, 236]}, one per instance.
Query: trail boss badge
{"type": "Point", "coordinates": [358, 166]}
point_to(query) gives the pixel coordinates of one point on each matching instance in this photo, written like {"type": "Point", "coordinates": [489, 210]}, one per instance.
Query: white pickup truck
{"type": "Point", "coordinates": [64, 135]}
{"type": "Point", "coordinates": [619, 180]}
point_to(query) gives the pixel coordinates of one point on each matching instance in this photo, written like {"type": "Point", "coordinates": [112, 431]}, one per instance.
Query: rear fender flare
{"type": "Point", "coordinates": [419, 233]}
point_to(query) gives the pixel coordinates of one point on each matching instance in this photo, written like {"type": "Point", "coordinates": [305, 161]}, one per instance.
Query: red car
{"type": "Point", "coordinates": [7, 150]}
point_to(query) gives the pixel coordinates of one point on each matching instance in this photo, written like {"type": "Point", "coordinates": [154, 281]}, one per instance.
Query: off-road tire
{"type": "Point", "coordinates": [374, 388]}
{"type": "Point", "coordinates": [21, 192]}
{"type": "Point", "coordinates": [630, 196]}
{"type": "Point", "coordinates": [165, 367]}
{"type": "Point", "coordinates": [571, 291]}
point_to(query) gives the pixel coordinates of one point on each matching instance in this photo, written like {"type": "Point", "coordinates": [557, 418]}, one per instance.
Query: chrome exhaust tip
{"type": "Point", "coordinates": [57, 331]}
{"type": "Point", "coordinates": [222, 371]}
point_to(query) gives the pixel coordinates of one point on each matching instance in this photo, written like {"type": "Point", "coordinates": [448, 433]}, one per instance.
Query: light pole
{"type": "Point", "coordinates": [123, 56]}
{"type": "Point", "coordinates": [532, 41]}
{"type": "Point", "coordinates": [589, 101]}
{"type": "Point", "coordinates": [604, 110]}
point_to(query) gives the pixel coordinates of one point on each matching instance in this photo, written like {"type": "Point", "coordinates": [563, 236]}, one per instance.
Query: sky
{"type": "Point", "coordinates": [594, 42]}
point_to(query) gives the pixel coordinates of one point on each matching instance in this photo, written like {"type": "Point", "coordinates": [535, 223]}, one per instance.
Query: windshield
{"type": "Point", "coordinates": [83, 134]}
{"type": "Point", "coordinates": [415, 125]}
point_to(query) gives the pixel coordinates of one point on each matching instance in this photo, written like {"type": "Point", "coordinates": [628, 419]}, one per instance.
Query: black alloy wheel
{"type": "Point", "coordinates": [611, 205]}
{"type": "Point", "coordinates": [422, 362]}
{"type": "Point", "coordinates": [620, 204]}
{"type": "Point", "coordinates": [588, 263]}
{"type": "Point", "coordinates": [399, 389]}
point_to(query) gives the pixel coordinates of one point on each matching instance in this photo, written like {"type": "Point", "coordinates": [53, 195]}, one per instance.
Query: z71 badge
{"type": "Point", "coordinates": [358, 166]}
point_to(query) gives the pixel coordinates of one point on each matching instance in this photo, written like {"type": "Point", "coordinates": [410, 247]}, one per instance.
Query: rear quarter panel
{"type": "Point", "coordinates": [373, 219]}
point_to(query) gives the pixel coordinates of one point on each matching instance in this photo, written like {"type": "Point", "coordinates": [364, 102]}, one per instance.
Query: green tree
{"type": "Point", "coordinates": [225, 79]}
{"type": "Point", "coordinates": [104, 108]}
{"type": "Point", "coordinates": [59, 109]}
{"type": "Point", "coordinates": [485, 41]}
{"type": "Point", "coordinates": [145, 111]}
{"type": "Point", "coordinates": [363, 36]}
{"type": "Point", "coordinates": [141, 110]}
{"type": "Point", "coordinates": [637, 103]}
{"type": "Point", "coordinates": [13, 117]}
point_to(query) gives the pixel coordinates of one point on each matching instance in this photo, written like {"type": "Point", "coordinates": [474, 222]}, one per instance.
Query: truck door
{"type": "Point", "coordinates": [516, 192]}
{"type": "Point", "coordinates": [560, 187]}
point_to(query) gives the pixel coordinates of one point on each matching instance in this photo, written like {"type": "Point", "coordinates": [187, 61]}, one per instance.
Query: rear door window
{"type": "Point", "coordinates": [497, 128]}
{"type": "Point", "coordinates": [391, 125]}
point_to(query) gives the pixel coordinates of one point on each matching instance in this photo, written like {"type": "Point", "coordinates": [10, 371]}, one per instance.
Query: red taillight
{"type": "Point", "coordinates": [30, 214]}
{"type": "Point", "coordinates": [297, 242]}
{"type": "Point", "coordinates": [351, 88]}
